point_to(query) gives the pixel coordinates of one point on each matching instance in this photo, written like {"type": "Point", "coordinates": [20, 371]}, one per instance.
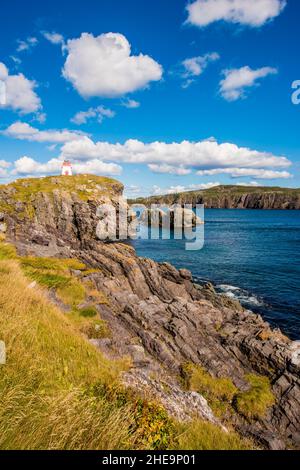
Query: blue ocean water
{"type": "Point", "coordinates": [250, 255]}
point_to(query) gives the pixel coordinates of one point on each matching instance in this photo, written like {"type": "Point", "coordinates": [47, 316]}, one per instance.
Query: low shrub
{"type": "Point", "coordinates": [153, 426]}
{"type": "Point", "coordinates": [96, 329]}
{"type": "Point", "coordinates": [88, 312]}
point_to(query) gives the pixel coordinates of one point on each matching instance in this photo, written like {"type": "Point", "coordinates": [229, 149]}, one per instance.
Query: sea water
{"type": "Point", "coordinates": [249, 255]}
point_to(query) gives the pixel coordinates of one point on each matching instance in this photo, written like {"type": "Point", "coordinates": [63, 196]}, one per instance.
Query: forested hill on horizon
{"type": "Point", "coordinates": [232, 197]}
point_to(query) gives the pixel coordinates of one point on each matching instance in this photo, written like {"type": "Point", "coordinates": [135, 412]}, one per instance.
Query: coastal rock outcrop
{"type": "Point", "coordinates": [173, 218]}
{"type": "Point", "coordinates": [159, 317]}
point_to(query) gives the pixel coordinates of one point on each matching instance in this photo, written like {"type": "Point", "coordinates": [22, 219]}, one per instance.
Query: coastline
{"type": "Point", "coordinates": [164, 319]}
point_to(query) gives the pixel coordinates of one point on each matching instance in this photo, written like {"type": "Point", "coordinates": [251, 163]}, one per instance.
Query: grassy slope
{"type": "Point", "coordinates": [50, 367]}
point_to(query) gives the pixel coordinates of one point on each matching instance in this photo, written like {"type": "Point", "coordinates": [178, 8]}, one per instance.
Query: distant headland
{"type": "Point", "coordinates": [232, 197]}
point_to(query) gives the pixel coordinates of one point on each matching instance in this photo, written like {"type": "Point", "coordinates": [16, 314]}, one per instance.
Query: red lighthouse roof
{"type": "Point", "coordinates": [67, 163]}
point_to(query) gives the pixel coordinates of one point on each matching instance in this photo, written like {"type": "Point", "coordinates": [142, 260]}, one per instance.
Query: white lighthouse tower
{"type": "Point", "coordinates": [66, 169]}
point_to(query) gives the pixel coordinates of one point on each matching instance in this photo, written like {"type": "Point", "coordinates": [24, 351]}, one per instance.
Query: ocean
{"type": "Point", "coordinates": [249, 255]}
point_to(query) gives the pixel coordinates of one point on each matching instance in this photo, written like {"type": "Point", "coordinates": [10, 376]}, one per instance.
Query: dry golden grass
{"type": "Point", "coordinates": [50, 366]}
{"type": "Point", "coordinates": [255, 402]}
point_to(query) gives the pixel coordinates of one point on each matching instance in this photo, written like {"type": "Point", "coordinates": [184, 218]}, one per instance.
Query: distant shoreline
{"type": "Point", "coordinates": [231, 197]}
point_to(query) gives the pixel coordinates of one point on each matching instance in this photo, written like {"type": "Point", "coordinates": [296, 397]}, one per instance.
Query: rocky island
{"type": "Point", "coordinates": [193, 358]}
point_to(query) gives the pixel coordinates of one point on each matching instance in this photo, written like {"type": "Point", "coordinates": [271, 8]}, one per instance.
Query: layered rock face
{"type": "Point", "coordinates": [233, 197]}
{"type": "Point", "coordinates": [162, 320]}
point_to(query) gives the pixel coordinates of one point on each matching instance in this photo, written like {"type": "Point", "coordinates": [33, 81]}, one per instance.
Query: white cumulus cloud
{"type": "Point", "coordinates": [97, 167]}
{"type": "Point", "coordinates": [206, 154]}
{"type": "Point", "coordinates": [19, 92]}
{"type": "Point", "coordinates": [23, 131]}
{"type": "Point", "coordinates": [254, 13]}
{"type": "Point", "coordinates": [240, 172]}
{"type": "Point", "coordinates": [252, 183]}
{"type": "Point", "coordinates": [3, 173]}
{"type": "Point", "coordinates": [157, 190]}
{"type": "Point", "coordinates": [27, 166]}
{"type": "Point", "coordinates": [237, 81]}
{"type": "Point", "coordinates": [54, 38]}
{"type": "Point", "coordinates": [171, 170]}
{"type": "Point", "coordinates": [132, 190]}
{"type": "Point", "coordinates": [195, 66]}
{"type": "Point", "coordinates": [101, 112]}
{"type": "Point", "coordinates": [4, 164]}
{"type": "Point", "coordinates": [104, 66]}
{"type": "Point", "coordinates": [27, 44]}
{"type": "Point", "coordinates": [130, 104]}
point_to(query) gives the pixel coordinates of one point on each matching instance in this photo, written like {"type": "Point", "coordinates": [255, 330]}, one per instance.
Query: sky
{"type": "Point", "coordinates": [165, 96]}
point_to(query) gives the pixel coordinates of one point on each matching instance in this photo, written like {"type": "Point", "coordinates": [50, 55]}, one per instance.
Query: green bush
{"type": "Point", "coordinates": [88, 312]}
{"type": "Point", "coordinates": [154, 428]}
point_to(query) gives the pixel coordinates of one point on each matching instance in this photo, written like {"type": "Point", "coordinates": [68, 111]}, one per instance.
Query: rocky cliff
{"type": "Point", "coordinates": [159, 317]}
{"type": "Point", "coordinates": [233, 197]}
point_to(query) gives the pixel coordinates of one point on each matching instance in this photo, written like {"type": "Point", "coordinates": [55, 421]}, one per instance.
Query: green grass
{"type": "Point", "coordinates": [198, 379]}
{"type": "Point", "coordinates": [84, 185]}
{"type": "Point", "coordinates": [48, 280]}
{"type": "Point", "coordinates": [7, 251]}
{"type": "Point", "coordinates": [52, 264]}
{"type": "Point", "coordinates": [56, 274]}
{"type": "Point", "coordinates": [224, 397]}
{"type": "Point", "coordinates": [199, 435]}
{"type": "Point", "coordinates": [254, 403]}
{"type": "Point", "coordinates": [73, 293]}
{"type": "Point", "coordinates": [88, 312]}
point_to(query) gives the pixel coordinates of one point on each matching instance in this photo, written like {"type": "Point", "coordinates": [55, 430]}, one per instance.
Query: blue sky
{"type": "Point", "coordinates": [202, 97]}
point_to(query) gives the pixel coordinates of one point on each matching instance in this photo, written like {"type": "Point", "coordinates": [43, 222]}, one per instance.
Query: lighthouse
{"type": "Point", "coordinates": [66, 168]}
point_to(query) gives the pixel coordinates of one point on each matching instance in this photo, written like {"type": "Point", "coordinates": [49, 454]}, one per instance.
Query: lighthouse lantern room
{"type": "Point", "coordinates": [66, 168]}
